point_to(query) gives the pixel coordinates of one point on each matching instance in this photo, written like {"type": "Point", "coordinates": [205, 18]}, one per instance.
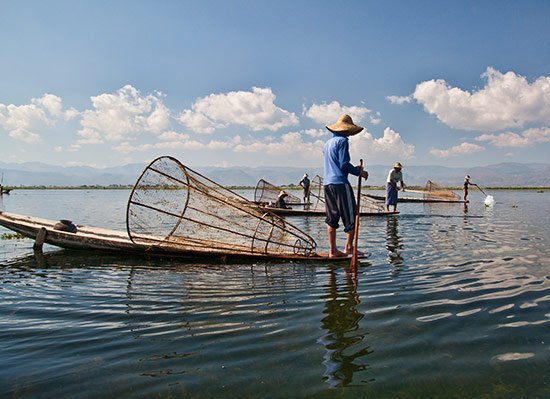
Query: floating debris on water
{"type": "Point", "coordinates": [11, 236]}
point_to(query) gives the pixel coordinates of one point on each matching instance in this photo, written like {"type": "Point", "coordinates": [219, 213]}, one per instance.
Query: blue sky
{"type": "Point", "coordinates": [245, 83]}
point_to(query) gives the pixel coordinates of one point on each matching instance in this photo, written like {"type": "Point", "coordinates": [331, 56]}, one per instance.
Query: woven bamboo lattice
{"type": "Point", "coordinates": [266, 193]}
{"type": "Point", "coordinates": [434, 191]}
{"type": "Point", "coordinates": [175, 208]}
{"type": "Point", "coordinates": [318, 198]}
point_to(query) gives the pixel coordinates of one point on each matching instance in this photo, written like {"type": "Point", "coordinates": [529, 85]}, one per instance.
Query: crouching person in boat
{"type": "Point", "coordinates": [339, 197]}
{"type": "Point", "coordinates": [280, 203]}
{"type": "Point", "coordinates": [395, 176]}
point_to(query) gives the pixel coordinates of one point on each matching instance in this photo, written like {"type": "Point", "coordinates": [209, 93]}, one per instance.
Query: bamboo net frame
{"type": "Point", "coordinates": [434, 191]}
{"type": "Point", "coordinates": [175, 208]}
{"type": "Point", "coordinates": [266, 193]}
{"type": "Point", "coordinates": [318, 198]}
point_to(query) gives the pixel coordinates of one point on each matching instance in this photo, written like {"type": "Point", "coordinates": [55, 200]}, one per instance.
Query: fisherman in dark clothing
{"type": "Point", "coordinates": [280, 203]}
{"type": "Point", "coordinates": [465, 187]}
{"type": "Point", "coordinates": [305, 183]}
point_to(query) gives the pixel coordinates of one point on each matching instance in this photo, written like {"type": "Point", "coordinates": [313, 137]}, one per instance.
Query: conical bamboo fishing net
{"type": "Point", "coordinates": [434, 191]}
{"type": "Point", "coordinates": [317, 193]}
{"type": "Point", "coordinates": [266, 193]}
{"type": "Point", "coordinates": [175, 208]}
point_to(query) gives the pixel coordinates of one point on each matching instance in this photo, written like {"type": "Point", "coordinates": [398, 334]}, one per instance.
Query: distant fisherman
{"type": "Point", "coordinates": [395, 176]}
{"type": "Point", "coordinates": [281, 201]}
{"type": "Point", "coordinates": [465, 187]}
{"type": "Point", "coordinates": [305, 183]}
{"type": "Point", "coordinates": [339, 198]}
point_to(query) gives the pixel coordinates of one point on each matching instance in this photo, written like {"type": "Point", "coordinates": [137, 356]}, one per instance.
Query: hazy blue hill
{"type": "Point", "coordinates": [504, 174]}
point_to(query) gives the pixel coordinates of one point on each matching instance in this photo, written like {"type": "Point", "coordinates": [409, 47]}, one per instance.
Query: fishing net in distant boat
{"type": "Point", "coordinates": [435, 191]}
{"type": "Point", "coordinates": [266, 193]}
{"type": "Point", "coordinates": [317, 192]}
{"type": "Point", "coordinates": [174, 208]}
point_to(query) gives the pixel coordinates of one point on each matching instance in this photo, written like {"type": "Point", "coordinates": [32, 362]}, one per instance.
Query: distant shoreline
{"type": "Point", "coordinates": [290, 188]}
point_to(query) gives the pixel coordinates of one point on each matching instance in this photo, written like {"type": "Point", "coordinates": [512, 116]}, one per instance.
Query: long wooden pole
{"type": "Point", "coordinates": [353, 262]}
{"type": "Point", "coordinates": [481, 190]}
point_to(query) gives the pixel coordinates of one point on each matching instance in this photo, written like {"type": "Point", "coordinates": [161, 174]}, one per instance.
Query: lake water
{"type": "Point", "coordinates": [452, 303]}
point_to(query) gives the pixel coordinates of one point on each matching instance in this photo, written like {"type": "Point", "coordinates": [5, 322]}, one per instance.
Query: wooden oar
{"type": "Point", "coordinates": [353, 262]}
{"type": "Point", "coordinates": [481, 190]}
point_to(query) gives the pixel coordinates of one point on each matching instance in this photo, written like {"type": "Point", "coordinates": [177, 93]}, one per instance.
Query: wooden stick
{"type": "Point", "coordinates": [481, 190]}
{"type": "Point", "coordinates": [353, 262]}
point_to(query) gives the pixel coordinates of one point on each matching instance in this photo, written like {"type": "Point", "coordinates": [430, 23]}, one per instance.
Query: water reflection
{"type": "Point", "coordinates": [344, 340]}
{"type": "Point", "coordinates": [393, 242]}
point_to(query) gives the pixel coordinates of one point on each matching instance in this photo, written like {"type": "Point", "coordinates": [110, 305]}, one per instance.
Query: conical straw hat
{"type": "Point", "coordinates": [344, 125]}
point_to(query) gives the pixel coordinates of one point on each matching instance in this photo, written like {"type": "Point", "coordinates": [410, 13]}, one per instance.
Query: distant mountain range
{"type": "Point", "coordinates": [499, 175]}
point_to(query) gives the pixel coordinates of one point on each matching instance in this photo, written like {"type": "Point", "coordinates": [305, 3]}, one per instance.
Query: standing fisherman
{"type": "Point", "coordinates": [465, 187]}
{"type": "Point", "coordinates": [395, 176]}
{"type": "Point", "coordinates": [305, 183]}
{"type": "Point", "coordinates": [339, 198]}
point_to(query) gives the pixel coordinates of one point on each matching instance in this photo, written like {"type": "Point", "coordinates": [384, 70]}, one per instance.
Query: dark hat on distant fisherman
{"type": "Point", "coordinates": [467, 177]}
{"type": "Point", "coordinates": [398, 165]}
{"type": "Point", "coordinates": [282, 194]}
{"type": "Point", "coordinates": [344, 125]}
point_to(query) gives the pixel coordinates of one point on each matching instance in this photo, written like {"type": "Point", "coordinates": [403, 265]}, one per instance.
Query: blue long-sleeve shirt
{"type": "Point", "coordinates": [337, 160]}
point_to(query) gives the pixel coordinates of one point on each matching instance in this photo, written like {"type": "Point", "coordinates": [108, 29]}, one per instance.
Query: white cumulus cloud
{"type": "Point", "coordinates": [527, 138]}
{"type": "Point", "coordinates": [24, 121]}
{"type": "Point", "coordinates": [177, 141]}
{"type": "Point", "coordinates": [461, 149]}
{"type": "Point", "coordinates": [390, 145]}
{"type": "Point", "coordinates": [399, 100]}
{"type": "Point", "coordinates": [289, 144]}
{"type": "Point", "coordinates": [115, 116]}
{"type": "Point", "coordinates": [508, 100]}
{"type": "Point", "coordinates": [254, 109]}
{"type": "Point", "coordinates": [329, 113]}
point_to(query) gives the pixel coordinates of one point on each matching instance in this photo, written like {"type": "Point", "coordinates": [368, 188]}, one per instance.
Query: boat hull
{"type": "Point", "coordinates": [304, 212]}
{"type": "Point", "coordinates": [412, 199]}
{"type": "Point", "coordinates": [94, 238]}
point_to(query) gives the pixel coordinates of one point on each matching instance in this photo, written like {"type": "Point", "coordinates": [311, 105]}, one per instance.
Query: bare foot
{"type": "Point", "coordinates": [337, 254]}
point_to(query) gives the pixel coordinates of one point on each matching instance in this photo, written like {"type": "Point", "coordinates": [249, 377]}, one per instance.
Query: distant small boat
{"type": "Point", "coordinates": [415, 199]}
{"type": "Point", "coordinates": [4, 190]}
{"type": "Point", "coordinates": [317, 212]}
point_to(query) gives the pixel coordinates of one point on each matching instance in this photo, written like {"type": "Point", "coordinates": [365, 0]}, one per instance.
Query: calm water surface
{"type": "Point", "coordinates": [453, 302]}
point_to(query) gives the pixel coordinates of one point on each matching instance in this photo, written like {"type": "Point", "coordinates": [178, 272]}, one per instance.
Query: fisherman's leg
{"type": "Point", "coordinates": [332, 219]}
{"type": "Point", "coordinates": [349, 213]}
{"type": "Point", "coordinates": [333, 252]}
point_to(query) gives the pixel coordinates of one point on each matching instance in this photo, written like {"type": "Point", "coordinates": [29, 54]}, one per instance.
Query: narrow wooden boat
{"type": "Point", "coordinates": [317, 212]}
{"type": "Point", "coordinates": [415, 199]}
{"type": "Point", "coordinates": [95, 238]}
{"type": "Point", "coordinates": [175, 211]}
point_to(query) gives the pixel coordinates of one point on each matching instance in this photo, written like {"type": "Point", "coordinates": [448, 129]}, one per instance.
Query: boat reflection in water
{"type": "Point", "coordinates": [343, 340]}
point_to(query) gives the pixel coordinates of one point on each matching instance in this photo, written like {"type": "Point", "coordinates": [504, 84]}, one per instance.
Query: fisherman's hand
{"type": "Point", "coordinates": [364, 174]}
